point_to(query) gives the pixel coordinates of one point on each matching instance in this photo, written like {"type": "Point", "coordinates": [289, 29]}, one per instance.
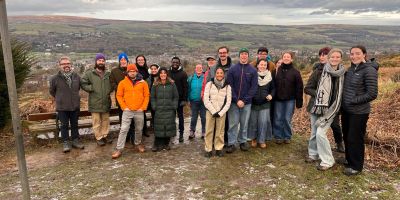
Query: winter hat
{"type": "Point", "coordinates": [131, 67]}
{"type": "Point", "coordinates": [210, 57]}
{"type": "Point", "coordinates": [243, 50]}
{"type": "Point", "coordinates": [123, 55]}
{"type": "Point", "coordinates": [100, 56]}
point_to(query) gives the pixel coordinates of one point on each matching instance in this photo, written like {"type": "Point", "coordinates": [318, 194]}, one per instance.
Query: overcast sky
{"type": "Point", "coordinates": [269, 12]}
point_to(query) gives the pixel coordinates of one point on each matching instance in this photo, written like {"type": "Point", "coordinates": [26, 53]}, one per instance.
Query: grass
{"type": "Point", "coordinates": [276, 173]}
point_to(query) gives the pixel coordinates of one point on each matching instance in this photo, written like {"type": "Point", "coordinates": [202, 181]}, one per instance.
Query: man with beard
{"type": "Point", "coordinates": [117, 75]}
{"type": "Point", "coordinates": [180, 78]}
{"type": "Point", "coordinates": [97, 83]}
{"type": "Point", "coordinates": [64, 87]}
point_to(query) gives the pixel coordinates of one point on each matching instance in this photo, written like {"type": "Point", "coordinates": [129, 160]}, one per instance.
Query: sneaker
{"type": "Point", "coordinates": [116, 154]}
{"type": "Point", "coordinates": [77, 145]}
{"type": "Point", "coordinates": [254, 143]}
{"type": "Point", "coordinates": [66, 147]}
{"type": "Point", "coordinates": [286, 141]}
{"type": "Point", "coordinates": [140, 148]}
{"type": "Point", "coordinates": [230, 149]}
{"type": "Point", "coordinates": [108, 139]}
{"type": "Point", "coordinates": [263, 146]}
{"type": "Point", "coordinates": [278, 141]}
{"type": "Point", "coordinates": [350, 172]}
{"type": "Point", "coordinates": [244, 146]}
{"type": "Point", "coordinates": [340, 147]}
{"type": "Point", "coordinates": [191, 135]}
{"type": "Point", "coordinates": [208, 154]}
{"type": "Point", "coordinates": [101, 142]}
{"type": "Point", "coordinates": [219, 153]}
{"type": "Point", "coordinates": [322, 168]}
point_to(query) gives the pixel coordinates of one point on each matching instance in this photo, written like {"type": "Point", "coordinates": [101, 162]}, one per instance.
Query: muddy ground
{"type": "Point", "coordinates": [278, 172]}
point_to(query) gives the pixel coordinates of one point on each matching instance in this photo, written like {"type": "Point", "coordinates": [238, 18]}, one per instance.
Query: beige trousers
{"type": "Point", "coordinates": [101, 124]}
{"type": "Point", "coordinates": [219, 125]}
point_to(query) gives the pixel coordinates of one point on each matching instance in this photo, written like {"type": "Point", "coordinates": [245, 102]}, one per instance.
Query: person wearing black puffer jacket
{"type": "Point", "coordinates": [360, 88]}
{"type": "Point", "coordinates": [180, 78]}
{"type": "Point", "coordinates": [289, 92]}
{"type": "Point", "coordinates": [141, 64]}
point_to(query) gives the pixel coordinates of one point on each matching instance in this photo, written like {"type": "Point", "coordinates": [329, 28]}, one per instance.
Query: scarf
{"type": "Point", "coordinates": [219, 84]}
{"type": "Point", "coordinates": [264, 77]}
{"type": "Point", "coordinates": [324, 90]}
{"type": "Point", "coordinates": [68, 78]}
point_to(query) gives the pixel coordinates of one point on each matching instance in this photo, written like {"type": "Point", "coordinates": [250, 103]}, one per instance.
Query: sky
{"type": "Point", "coordinates": [265, 12]}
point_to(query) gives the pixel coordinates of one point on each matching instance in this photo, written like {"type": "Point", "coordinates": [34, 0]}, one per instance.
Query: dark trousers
{"type": "Point", "coordinates": [180, 117]}
{"type": "Point", "coordinates": [66, 118]}
{"type": "Point", "coordinates": [226, 129]}
{"type": "Point", "coordinates": [161, 141]}
{"type": "Point", "coordinates": [336, 129]}
{"type": "Point", "coordinates": [144, 130]}
{"type": "Point", "coordinates": [354, 129]}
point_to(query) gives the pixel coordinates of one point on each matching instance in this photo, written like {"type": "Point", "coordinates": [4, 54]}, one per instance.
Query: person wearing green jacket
{"type": "Point", "coordinates": [97, 83]}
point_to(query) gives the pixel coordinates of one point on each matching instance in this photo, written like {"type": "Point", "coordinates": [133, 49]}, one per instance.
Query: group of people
{"type": "Point", "coordinates": [240, 105]}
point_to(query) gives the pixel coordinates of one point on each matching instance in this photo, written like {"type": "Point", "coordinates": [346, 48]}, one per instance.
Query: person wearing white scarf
{"type": "Point", "coordinates": [326, 107]}
{"type": "Point", "coordinates": [260, 128]}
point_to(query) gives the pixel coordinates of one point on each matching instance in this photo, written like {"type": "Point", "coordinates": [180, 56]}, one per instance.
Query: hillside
{"type": "Point", "coordinates": [78, 34]}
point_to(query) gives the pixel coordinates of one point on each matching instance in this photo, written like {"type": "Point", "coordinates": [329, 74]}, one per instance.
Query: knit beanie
{"type": "Point", "coordinates": [123, 55]}
{"type": "Point", "coordinates": [243, 50]}
{"type": "Point", "coordinates": [100, 56]}
{"type": "Point", "coordinates": [131, 67]}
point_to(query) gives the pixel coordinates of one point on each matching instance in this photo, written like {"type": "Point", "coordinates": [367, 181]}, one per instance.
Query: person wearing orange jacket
{"type": "Point", "coordinates": [133, 96]}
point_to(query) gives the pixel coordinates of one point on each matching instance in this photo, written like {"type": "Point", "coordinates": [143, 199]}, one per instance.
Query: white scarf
{"type": "Point", "coordinates": [267, 77]}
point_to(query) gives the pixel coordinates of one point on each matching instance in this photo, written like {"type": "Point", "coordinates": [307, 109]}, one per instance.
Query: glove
{"type": "Point", "coordinates": [216, 115]}
{"type": "Point", "coordinates": [183, 103]}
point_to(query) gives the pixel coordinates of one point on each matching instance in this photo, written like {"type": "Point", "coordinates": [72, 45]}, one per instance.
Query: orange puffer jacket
{"type": "Point", "coordinates": [133, 96]}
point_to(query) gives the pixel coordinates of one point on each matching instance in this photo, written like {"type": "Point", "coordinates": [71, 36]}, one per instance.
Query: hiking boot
{"type": "Point", "coordinates": [230, 149]}
{"type": "Point", "coordinates": [208, 154]}
{"type": "Point", "coordinates": [263, 146]}
{"type": "Point", "coordinates": [167, 147]}
{"type": "Point", "coordinates": [322, 168]}
{"type": "Point", "coordinates": [342, 161]}
{"type": "Point", "coordinates": [191, 135]}
{"type": "Point", "coordinates": [101, 142]}
{"type": "Point", "coordinates": [66, 147]}
{"type": "Point", "coordinates": [286, 141]}
{"type": "Point", "coordinates": [340, 147]}
{"type": "Point", "coordinates": [108, 139]}
{"type": "Point", "coordinates": [145, 134]}
{"type": "Point", "coordinates": [219, 153]}
{"type": "Point", "coordinates": [254, 143]}
{"type": "Point", "coordinates": [202, 135]}
{"type": "Point", "coordinates": [244, 146]}
{"type": "Point", "coordinates": [350, 172]}
{"type": "Point", "coordinates": [77, 145]}
{"type": "Point", "coordinates": [310, 160]}
{"type": "Point", "coordinates": [116, 154]}
{"type": "Point", "coordinates": [155, 148]}
{"type": "Point", "coordinates": [140, 148]}
{"type": "Point", "coordinates": [181, 140]}
{"type": "Point", "coordinates": [278, 141]}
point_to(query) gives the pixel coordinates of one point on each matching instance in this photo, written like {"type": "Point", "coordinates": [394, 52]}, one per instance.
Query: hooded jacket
{"type": "Point", "coordinates": [243, 79]}
{"type": "Point", "coordinates": [289, 84]}
{"type": "Point", "coordinates": [99, 89]}
{"type": "Point", "coordinates": [134, 95]}
{"type": "Point", "coordinates": [360, 87]}
{"type": "Point", "coordinates": [180, 79]}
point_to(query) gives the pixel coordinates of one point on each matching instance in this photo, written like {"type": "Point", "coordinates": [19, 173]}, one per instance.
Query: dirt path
{"type": "Point", "coordinates": [279, 172]}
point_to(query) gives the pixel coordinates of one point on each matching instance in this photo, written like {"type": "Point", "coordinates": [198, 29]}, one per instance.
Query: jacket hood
{"type": "Point", "coordinates": [176, 70]}
{"type": "Point", "coordinates": [157, 81]}
{"type": "Point", "coordinates": [287, 66]}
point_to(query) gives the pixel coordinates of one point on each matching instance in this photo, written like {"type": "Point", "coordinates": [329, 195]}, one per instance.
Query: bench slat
{"type": "Point", "coordinates": [50, 127]}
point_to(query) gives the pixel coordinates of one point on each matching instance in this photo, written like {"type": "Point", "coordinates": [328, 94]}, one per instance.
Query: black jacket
{"type": "Point", "coordinates": [360, 88]}
{"type": "Point", "coordinates": [67, 99]}
{"type": "Point", "coordinates": [263, 92]}
{"type": "Point", "coordinates": [289, 85]}
{"type": "Point", "coordinates": [180, 78]}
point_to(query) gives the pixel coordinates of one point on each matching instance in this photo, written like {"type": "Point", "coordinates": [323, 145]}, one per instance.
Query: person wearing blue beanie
{"type": "Point", "coordinates": [123, 55]}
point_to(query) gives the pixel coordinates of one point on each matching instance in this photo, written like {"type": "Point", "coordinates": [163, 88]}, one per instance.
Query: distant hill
{"type": "Point", "coordinates": [79, 34]}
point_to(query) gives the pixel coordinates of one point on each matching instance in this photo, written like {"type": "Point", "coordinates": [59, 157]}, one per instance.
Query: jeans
{"type": "Point", "coordinates": [197, 107]}
{"type": "Point", "coordinates": [127, 117]}
{"type": "Point", "coordinates": [282, 126]}
{"type": "Point", "coordinates": [66, 118]}
{"type": "Point", "coordinates": [238, 116]}
{"type": "Point", "coordinates": [181, 122]}
{"type": "Point", "coordinates": [260, 127]}
{"type": "Point", "coordinates": [318, 145]}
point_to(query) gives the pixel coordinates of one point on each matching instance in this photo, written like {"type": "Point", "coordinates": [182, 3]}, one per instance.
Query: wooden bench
{"type": "Point", "coordinates": [45, 123]}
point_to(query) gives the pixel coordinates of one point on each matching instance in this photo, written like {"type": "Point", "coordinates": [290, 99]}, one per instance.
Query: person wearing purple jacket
{"type": "Point", "coordinates": [243, 79]}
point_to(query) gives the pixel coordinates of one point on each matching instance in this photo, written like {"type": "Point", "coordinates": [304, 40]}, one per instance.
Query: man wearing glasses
{"type": "Point", "coordinates": [64, 87]}
{"type": "Point", "coordinates": [262, 53]}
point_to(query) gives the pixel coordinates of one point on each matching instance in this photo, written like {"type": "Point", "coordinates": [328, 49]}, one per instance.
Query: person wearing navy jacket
{"type": "Point", "coordinates": [242, 78]}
